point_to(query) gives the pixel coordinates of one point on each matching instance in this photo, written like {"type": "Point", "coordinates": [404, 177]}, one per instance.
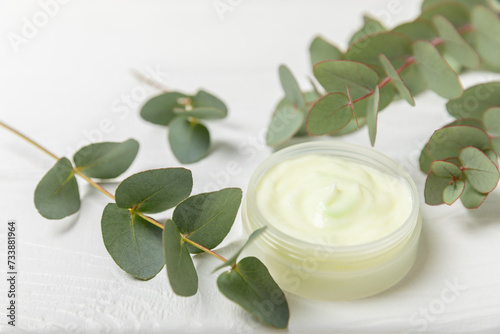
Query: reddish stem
{"type": "Point", "coordinates": [411, 59]}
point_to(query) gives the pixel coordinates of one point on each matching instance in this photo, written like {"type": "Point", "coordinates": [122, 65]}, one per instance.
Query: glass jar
{"type": "Point", "coordinates": [326, 271]}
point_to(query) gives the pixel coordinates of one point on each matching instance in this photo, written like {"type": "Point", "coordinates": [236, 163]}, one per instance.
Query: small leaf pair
{"type": "Point", "coordinates": [203, 219]}
{"type": "Point", "coordinates": [134, 243]}
{"type": "Point", "coordinates": [249, 284]}
{"type": "Point", "coordinates": [289, 116]}
{"type": "Point", "coordinates": [189, 139]}
{"type": "Point", "coordinates": [57, 194]}
{"type": "Point", "coordinates": [471, 181]}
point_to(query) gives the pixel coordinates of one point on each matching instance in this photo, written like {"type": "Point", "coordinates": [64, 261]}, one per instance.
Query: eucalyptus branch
{"type": "Point", "coordinates": [131, 236]}
{"type": "Point", "coordinates": [382, 65]}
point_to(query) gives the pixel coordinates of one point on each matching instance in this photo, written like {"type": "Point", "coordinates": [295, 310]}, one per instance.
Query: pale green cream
{"type": "Point", "coordinates": [329, 200]}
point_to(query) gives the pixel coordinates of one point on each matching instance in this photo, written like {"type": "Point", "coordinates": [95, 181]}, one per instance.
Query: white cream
{"type": "Point", "coordinates": [329, 200]}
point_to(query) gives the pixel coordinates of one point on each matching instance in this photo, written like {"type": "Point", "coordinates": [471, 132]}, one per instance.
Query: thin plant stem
{"type": "Point", "coordinates": [107, 193]}
{"type": "Point", "coordinates": [203, 248]}
{"type": "Point", "coordinates": [153, 83]}
{"type": "Point", "coordinates": [410, 60]}
{"type": "Point", "coordinates": [29, 140]}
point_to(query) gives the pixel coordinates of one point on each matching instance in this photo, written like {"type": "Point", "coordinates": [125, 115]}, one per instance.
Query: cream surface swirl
{"type": "Point", "coordinates": [334, 201]}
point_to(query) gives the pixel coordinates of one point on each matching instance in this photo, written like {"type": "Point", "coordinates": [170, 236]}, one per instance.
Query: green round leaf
{"type": "Point", "coordinates": [285, 123]}
{"type": "Point", "coordinates": [471, 198]}
{"type": "Point", "coordinates": [106, 160]}
{"type": "Point", "coordinates": [447, 143]}
{"type": "Point", "coordinates": [204, 105]}
{"type": "Point", "coordinates": [321, 50]}
{"type": "Point", "coordinates": [467, 3]}
{"type": "Point", "coordinates": [487, 29]}
{"type": "Point", "coordinates": [475, 101]}
{"type": "Point", "coordinates": [291, 87]}
{"type": "Point", "coordinates": [396, 80]}
{"type": "Point", "coordinates": [160, 109]}
{"type": "Point", "coordinates": [481, 172]}
{"type": "Point", "coordinates": [207, 218]}
{"type": "Point", "coordinates": [154, 190]}
{"type": "Point", "coordinates": [434, 189]}
{"type": "Point", "coordinates": [336, 75]}
{"type": "Point", "coordinates": [201, 112]}
{"type": "Point", "coordinates": [420, 29]}
{"type": "Point", "coordinates": [453, 11]}
{"type": "Point", "coordinates": [469, 122]}
{"type": "Point", "coordinates": [189, 141]}
{"type": "Point", "coordinates": [453, 191]}
{"type": "Point", "coordinates": [396, 47]}
{"type": "Point", "coordinates": [446, 169]}
{"type": "Point", "coordinates": [252, 287]}
{"type": "Point", "coordinates": [133, 243]}
{"type": "Point", "coordinates": [493, 156]}
{"type": "Point", "coordinates": [181, 271]}
{"type": "Point", "coordinates": [329, 114]}
{"type": "Point", "coordinates": [371, 115]}
{"type": "Point", "coordinates": [455, 45]}
{"type": "Point", "coordinates": [370, 26]}
{"type": "Point", "coordinates": [57, 195]}
{"type": "Point", "coordinates": [439, 75]}
{"type": "Point", "coordinates": [491, 120]}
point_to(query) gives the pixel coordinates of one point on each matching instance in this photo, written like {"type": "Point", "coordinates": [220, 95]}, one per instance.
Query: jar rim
{"type": "Point", "coordinates": [366, 155]}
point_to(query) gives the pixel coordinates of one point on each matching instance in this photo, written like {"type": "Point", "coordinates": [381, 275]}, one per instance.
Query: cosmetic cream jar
{"type": "Point", "coordinates": [326, 270]}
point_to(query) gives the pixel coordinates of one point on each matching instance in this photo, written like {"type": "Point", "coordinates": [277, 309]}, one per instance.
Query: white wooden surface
{"type": "Point", "coordinates": [70, 81]}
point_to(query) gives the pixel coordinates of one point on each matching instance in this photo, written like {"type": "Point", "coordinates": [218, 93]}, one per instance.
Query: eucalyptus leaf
{"type": "Point", "coordinates": [453, 11]}
{"type": "Point", "coordinates": [251, 286]}
{"type": "Point", "coordinates": [468, 3]}
{"type": "Point", "coordinates": [285, 123]}
{"type": "Point", "coordinates": [336, 75]}
{"type": "Point", "coordinates": [311, 98]}
{"type": "Point", "coordinates": [57, 195]}
{"type": "Point", "coordinates": [471, 198]}
{"type": "Point", "coordinates": [446, 169]}
{"type": "Point", "coordinates": [439, 75]}
{"type": "Point", "coordinates": [469, 122]}
{"type": "Point", "coordinates": [395, 46]}
{"type": "Point", "coordinates": [160, 109]}
{"type": "Point", "coordinates": [207, 218]}
{"type": "Point", "coordinates": [370, 26]}
{"type": "Point", "coordinates": [487, 29]}
{"type": "Point", "coordinates": [453, 191]}
{"type": "Point", "coordinates": [481, 172]}
{"type": "Point", "coordinates": [200, 112]}
{"type": "Point", "coordinates": [413, 79]}
{"type": "Point", "coordinates": [396, 80]}
{"type": "Point", "coordinates": [154, 190]}
{"type": "Point", "coordinates": [475, 100]}
{"type": "Point", "coordinates": [449, 141]}
{"type": "Point", "coordinates": [420, 29]}
{"type": "Point", "coordinates": [203, 105]}
{"type": "Point", "coordinates": [203, 99]}
{"type": "Point", "coordinates": [291, 87]}
{"type": "Point", "coordinates": [188, 140]}
{"type": "Point", "coordinates": [233, 259]}
{"type": "Point", "coordinates": [493, 156]}
{"type": "Point", "coordinates": [329, 114]}
{"type": "Point", "coordinates": [321, 50]}
{"type": "Point", "coordinates": [350, 127]}
{"type": "Point", "coordinates": [133, 243]}
{"type": "Point", "coordinates": [491, 120]}
{"type": "Point", "coordinates": [371, 115]}
{"type": "Point", "coordinates": [180, 267]}
{"type": "Point", "coordinates": [455, 45]}
{"type": "Point", "coordinates": [434, 189]}
{"type": "Point", "coordinates": [106, 160]}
